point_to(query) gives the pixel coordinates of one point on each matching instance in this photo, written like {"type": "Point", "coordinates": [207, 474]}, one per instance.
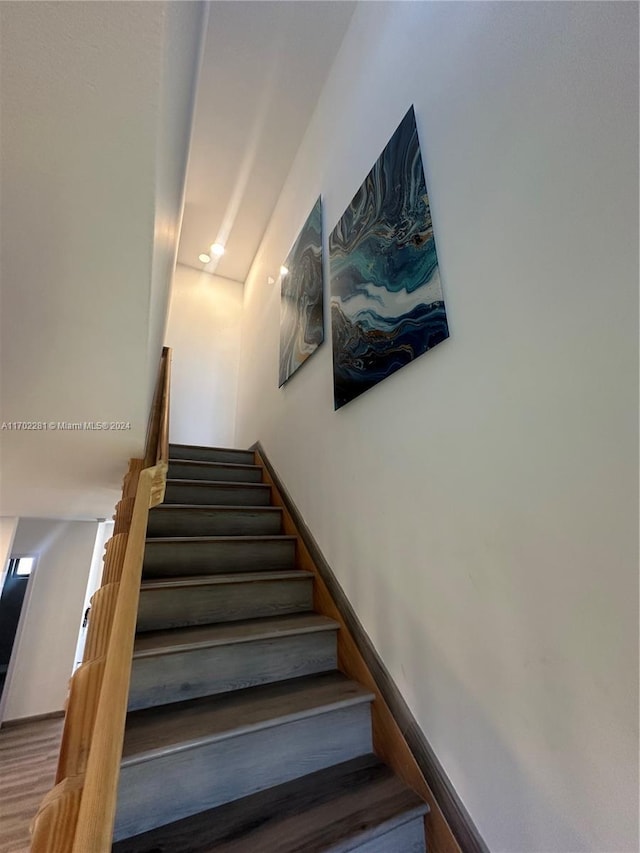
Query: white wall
{"type": "Point", "coordinates": [480, 506]}
{"type": "Point", "coordinates": [204, 330]}
{"type": "Point", "coordinates": [109, 93]}
{"type": "Point", "coordinates": [43, 655]}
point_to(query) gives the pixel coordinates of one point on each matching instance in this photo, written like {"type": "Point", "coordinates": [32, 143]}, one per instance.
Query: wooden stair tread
{"type": "Point", "coordinates": [223, 484]}
{"type": "Point", "coordinates": [179, 519]}
{"type": "Point", "coordinates": [158, 731]}
{"type": "Point", "coordinates": [208, 555]}
{"type": "Point", "coordinates": [177, 540]}
{"type": "Point", "coordinates": [202, 636]}
{"type": "Point", "coordinates": [209, 447]}
{"type": "Point", "coordinates": [216, 507]}
{"type": "Point", "coordinates": [200, 463]}
{"type": "Point", "coordinates": [236, 577]}
{"type": "Point", "coordinates": [331, 810]}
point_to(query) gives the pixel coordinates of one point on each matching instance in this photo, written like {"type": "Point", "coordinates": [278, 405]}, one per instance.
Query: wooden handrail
{"type": "Point", "coordinates": [77, 816]}
{"type": "Point", "coordinates": [157, 443]}
{"type": "Point", "coordinates": [162, 449]}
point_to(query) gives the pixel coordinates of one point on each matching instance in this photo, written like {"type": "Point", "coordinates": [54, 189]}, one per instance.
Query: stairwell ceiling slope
{"type": "Point", "coordinates": [264, 66]}
{"type": "Point", "coordinates": [100, 115]}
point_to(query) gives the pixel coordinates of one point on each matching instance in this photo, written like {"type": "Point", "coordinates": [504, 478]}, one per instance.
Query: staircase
{"type": "Point", "coordinates": [242, 735]}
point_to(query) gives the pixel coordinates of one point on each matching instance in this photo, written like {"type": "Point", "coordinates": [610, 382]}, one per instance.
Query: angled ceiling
{"type": "Point", "coordinates": [98, 102]}
{"type": "Point", "coordinates": [263, 69]}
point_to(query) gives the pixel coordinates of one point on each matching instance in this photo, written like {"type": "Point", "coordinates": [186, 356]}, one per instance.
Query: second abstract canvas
{"type": "Point", "coordinates": [301, 309]}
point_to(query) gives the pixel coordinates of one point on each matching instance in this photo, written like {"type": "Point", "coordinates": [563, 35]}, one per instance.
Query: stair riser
{"type": "Point", "coordinates": [172, 559]}
{"type": "Point", "coordinates": [211, 454]}
{"type": "Point", "coordinates": [204, 521]}
{"type": "Point", "coordinates": [168, 788]}
{"type": "Point", "coordinates": [203, 605]}
{"type": "Point", "coordinates": [232, 495]}
{"type": "Point", "coordinates": [183, 471]}
{"type": "Point", "coordinates": [408, 838]}
{"type": "Point", "coordinates": [161, 679]}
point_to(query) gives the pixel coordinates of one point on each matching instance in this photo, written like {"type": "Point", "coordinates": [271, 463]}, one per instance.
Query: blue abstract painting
{"type": "Point", "coordinates": [301, 308]}
{"type": "Point", "coordinates": [387, 306]}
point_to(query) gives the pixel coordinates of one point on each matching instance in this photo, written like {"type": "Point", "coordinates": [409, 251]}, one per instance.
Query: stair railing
{"type": "Point", "coordinates": [77, 815]}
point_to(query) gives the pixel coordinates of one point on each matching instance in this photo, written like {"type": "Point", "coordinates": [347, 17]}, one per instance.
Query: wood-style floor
{"type": "Point", "coordinates": [28, 758]}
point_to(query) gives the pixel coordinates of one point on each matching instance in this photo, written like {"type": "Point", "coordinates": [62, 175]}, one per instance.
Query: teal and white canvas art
{"type": "Point", "coordinates": [387, 306]}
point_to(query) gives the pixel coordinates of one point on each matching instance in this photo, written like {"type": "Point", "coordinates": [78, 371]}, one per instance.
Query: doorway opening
{"type": "Point", "coordinates": [19, 570]}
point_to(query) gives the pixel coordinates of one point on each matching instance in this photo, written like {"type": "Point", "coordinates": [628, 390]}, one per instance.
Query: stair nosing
{"type": "Point", "coordinates": [215, 464]}
{"type": "Point", "coordinates": [328, 625]}
{"type": "Point", "coordinates": [235, 577]}
{"type": "Point", "coordinates": [207, 447]}
{"type": "Point", "coordinates": [357, 837]}
{"type": "Point", "coordinates": [176, 539]}
{"type": "Point", "coordinates": [221, 507]}
{"type": "Point", "coordinates": [232, 484]}
{"type": "Point", "coordinates": [326, 707]}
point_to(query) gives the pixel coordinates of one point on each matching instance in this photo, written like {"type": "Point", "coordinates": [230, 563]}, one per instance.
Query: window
{"type": "Point", "coordinates": [21, 567]}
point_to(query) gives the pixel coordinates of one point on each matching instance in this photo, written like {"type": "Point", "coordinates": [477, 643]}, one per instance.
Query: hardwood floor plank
{"type": "Point", "coordinates": [28, 759]}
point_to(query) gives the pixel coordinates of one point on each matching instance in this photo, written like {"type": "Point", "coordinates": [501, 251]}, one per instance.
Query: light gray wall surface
{"type": "Point", "coordinates": [43, 656]}
{"type": "Point", "coordinates": [204, 330]}
{"type": "Point", "coordinates": [92, 175]}
{"type": "Point", "coordinates": [480, 506]}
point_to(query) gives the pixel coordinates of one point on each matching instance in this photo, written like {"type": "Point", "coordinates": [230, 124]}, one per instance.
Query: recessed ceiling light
{"type": "Point", "coordinates": [284, 271]}
{"type": "Point", "coordinates": [204, 259]}
{"type": "Point", "coordinates": [217, 249]}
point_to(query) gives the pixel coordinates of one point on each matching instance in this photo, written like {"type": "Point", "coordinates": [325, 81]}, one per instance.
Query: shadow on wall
{"type": "Point", "coordinates": [533, 816]}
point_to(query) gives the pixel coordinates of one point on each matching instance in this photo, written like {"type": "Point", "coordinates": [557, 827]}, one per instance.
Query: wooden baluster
{"type": "Point", "coordinates": [103, 607]}
{"type": "Point", "coordinates": [114, 558]}
{"type": "Point", "coordinates": [79, 719]}
{"type": "Point", "coordinates": [54, 825]}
